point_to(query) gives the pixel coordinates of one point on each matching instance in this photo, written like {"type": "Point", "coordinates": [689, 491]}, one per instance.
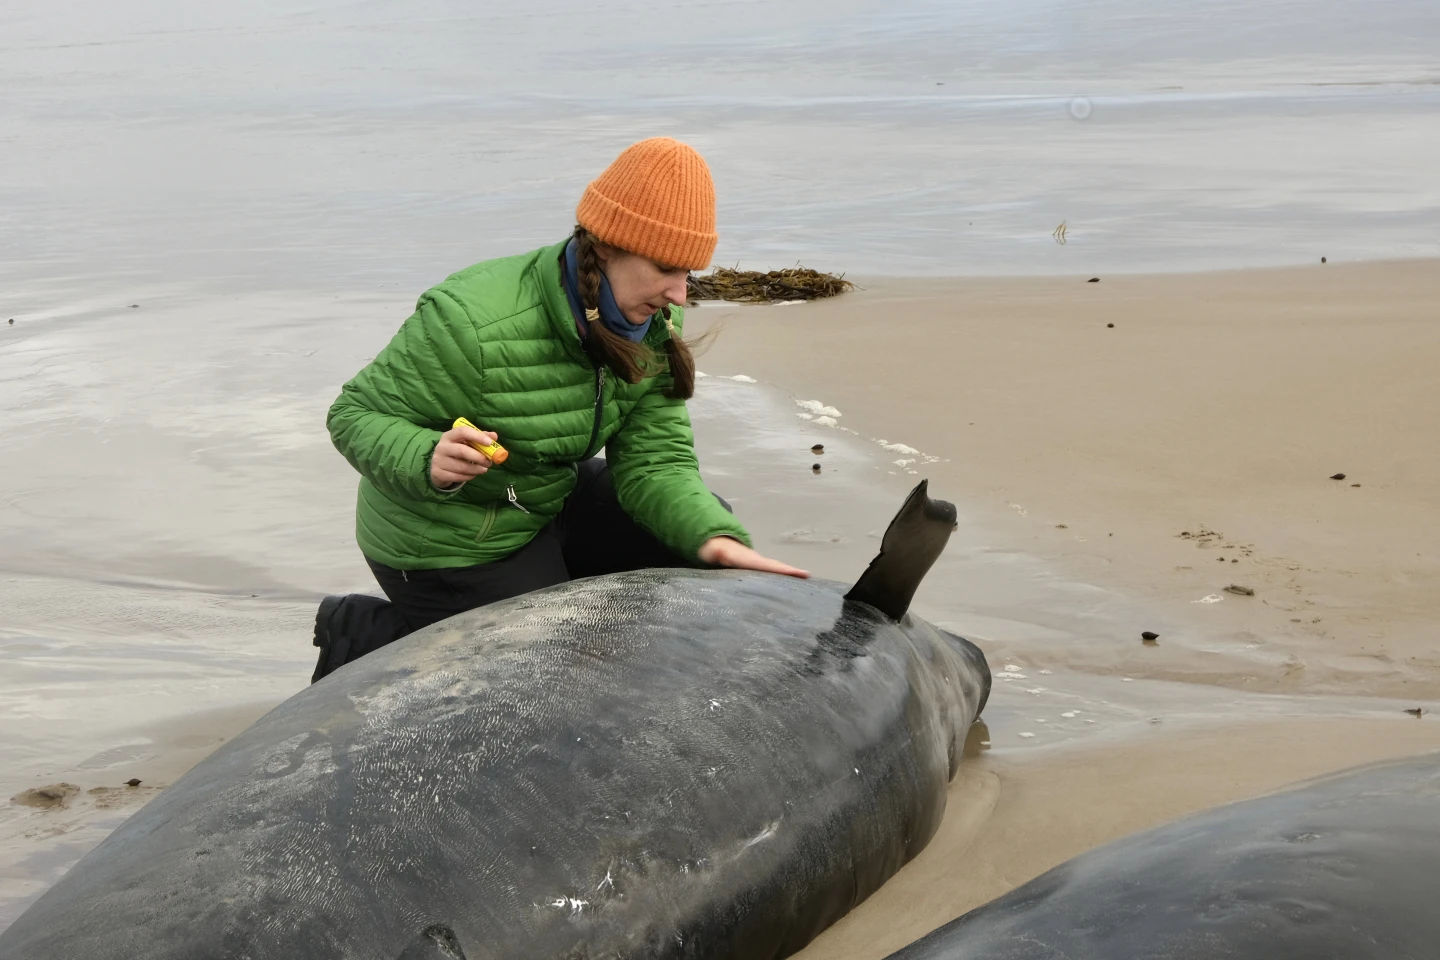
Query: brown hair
{"type": "Point", "coordinates": [629, 360]}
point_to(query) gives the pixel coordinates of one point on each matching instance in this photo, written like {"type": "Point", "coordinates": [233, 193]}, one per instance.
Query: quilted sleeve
{"type": "Point", "coordinates": [389, 417]}
{"type": "Point", "coordinates": [657, 477]}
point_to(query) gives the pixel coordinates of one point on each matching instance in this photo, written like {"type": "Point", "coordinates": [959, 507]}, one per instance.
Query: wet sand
{"type": "Point", "coordinates": [1187, 448]}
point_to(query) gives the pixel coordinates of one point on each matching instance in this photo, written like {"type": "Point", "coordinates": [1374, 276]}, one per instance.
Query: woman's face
{"type": "Point", "coordinates": [641, 286]}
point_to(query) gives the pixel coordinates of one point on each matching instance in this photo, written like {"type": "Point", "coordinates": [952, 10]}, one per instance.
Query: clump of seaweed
{"type": "Point", "coordinates": [776, 286]}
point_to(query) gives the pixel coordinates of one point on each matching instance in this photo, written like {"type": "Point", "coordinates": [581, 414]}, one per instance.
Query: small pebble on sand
{"type": "Point", "coordinates": [818, 449]}
{"type": "Point", "coordinates": [1149, 636]}
{"type": "Point", "coordinates": [134, 306]}
{"type": "Point", "coordinates": [1354, 484]}
{"type": "Point", "coordinates": [1322, 259]}
{"type": "Point", "coordinates": [133, 782]}
{"type": "Point", "coordinates": [1416, 712]}
{"type": "Point", "coordinates": [1109, 324]}
{"type": "Point", "coordinates": [815, 468]}
{"type": "Point", "coordinates": [1338, 476]}
{"type": "Point", "coordinates": [1241, 591]}
{"type": "Point", "coordinates": [1093, 280]}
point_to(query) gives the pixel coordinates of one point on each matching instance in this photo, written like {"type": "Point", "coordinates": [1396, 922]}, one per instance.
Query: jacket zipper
{"type": "Point", "coordinates": [514, 500]}
{"type": "Point", "coordinates": [599, 408]}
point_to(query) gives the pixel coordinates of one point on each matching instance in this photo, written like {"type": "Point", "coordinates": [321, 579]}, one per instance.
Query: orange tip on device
{"type": "Point", "coordinates": [494, 451]}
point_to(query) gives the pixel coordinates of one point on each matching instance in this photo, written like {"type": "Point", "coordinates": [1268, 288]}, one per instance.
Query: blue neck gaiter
{"type": "Point", "coordinates": [610, 314]}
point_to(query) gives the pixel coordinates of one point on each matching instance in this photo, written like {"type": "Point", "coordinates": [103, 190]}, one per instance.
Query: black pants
{"type": "Point", "coordinates": [592, 535]}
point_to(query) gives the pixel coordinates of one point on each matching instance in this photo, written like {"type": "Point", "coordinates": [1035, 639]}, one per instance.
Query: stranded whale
{"type": "Point", "coordinates": [667, 763]}
{"type": "Point", "coordinates": [1345, 867]}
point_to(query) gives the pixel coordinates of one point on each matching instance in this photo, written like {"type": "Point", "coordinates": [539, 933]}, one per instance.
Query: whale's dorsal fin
{"type": "Point", "coordinates": [910, 547]}
{"type": "Point", "coordinates": [435, 942]}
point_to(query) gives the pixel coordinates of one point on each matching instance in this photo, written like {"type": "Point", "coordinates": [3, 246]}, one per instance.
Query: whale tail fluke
{"type": "Point", "coordinates": [912, 543]}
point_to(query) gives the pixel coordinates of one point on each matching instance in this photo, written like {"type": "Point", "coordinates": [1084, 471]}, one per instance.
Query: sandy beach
{"type": "Point", "coordinates": [1186, 448]}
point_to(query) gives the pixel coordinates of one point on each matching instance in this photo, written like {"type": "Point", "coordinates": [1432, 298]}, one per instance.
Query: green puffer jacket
{"type": "Point", "coordinates": [496, 343]}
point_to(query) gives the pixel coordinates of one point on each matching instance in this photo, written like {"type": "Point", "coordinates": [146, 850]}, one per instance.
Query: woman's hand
{"type": "Point", "coordinates": [729, 552]}
{"type": "Point", "coordinates": [455, 461]}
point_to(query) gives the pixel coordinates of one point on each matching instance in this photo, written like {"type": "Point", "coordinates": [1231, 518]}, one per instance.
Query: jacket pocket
{"type": "Point", "coordinates": [487, 522]}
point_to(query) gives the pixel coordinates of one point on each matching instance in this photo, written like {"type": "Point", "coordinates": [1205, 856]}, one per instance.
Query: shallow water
{"type": "Point", "coordinates": [346, 145]}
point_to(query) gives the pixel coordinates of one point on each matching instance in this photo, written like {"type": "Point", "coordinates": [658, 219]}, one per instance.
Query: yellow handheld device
{"type": "Point", "coordinates": [494, 451]}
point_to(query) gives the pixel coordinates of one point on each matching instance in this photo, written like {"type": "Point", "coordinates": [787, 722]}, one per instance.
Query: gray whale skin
{"type": "Point", "coordinates": [667, 763]}
{"type": "Point", "coordinates": [1342, 868]}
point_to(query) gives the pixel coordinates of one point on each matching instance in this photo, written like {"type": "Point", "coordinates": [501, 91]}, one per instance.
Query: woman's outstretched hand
{"type": "Point", "coordinates": [728, 552]}
{"type": "Point", "coordinates": [455, 461]}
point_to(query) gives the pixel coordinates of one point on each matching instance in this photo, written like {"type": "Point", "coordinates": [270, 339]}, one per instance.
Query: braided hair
{"type": "Point", "coordinates": [630, 361]}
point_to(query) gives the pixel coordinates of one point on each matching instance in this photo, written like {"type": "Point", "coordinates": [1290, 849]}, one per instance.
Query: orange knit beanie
{"type": "Point", "coordinates": [656, 200]}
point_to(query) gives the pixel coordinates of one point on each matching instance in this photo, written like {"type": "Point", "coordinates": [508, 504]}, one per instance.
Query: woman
{"type": "Point", "coordinates": [557, 354]}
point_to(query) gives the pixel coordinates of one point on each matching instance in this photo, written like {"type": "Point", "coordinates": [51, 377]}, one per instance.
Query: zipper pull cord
{"type": "Point", "coordinates": [514, 500]}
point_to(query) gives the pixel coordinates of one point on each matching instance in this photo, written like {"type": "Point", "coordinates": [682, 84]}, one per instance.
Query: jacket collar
{"type": "Point", "coordinates": [554, 302]}
{"type": "Point", "coordinates": [557, 306]}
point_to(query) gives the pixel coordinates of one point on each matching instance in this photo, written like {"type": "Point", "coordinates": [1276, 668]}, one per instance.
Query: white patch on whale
{"type": "Point", "coordinates": [763, 835]}
{"type": "Point", "coordinates": [576, 906]}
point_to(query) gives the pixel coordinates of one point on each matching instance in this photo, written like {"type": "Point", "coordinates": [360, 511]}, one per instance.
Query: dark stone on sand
{"type": "Point", "coordinates": [1235, 588]}
{"type": "Point", "coordinates": [133, 782]}
{"type": "Point", "coordinates": [1354, 484]}
{"type": "Point", "coordinates": [134, 306]}
{"type": "Point", "coordinates": [1109, 324]}
{"type": "Point", "coordinates": [1149, 636]}
{"type": "Point", "coordinates": [1093, 280]}
{"type": "Point", "coordinates": [815, 467]}
{"type": "Point", "coordinates": [1416, 712]}
{"type": "Point", "coordinates": [1322, 259]}
{"type": "Point", "coordinates": [818, 449]}
{"type": "Point", "coordinates": [12, 320]}
{"type": "Point", "coordinates": [1338, 476]}
{"type": "Point", "coordinates": [46, 798]}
